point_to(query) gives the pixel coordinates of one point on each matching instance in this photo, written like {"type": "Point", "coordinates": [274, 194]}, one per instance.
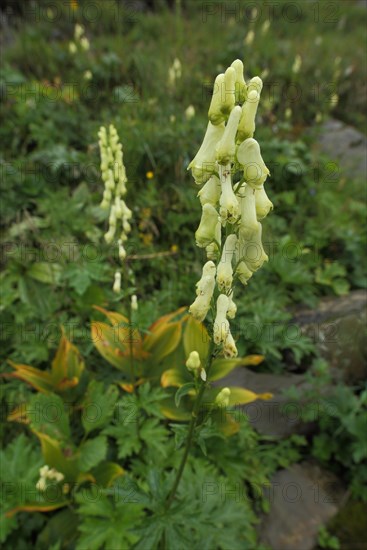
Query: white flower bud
{"type": "Point", "coordinates": [210, 192]}
{"type": "Point", "coordinates": [229, 205]}
{"type": "Point", "coordinates": [41, 484]}
{"type": "Point", "coordinates": [122, 251]}
{"type": "Point", "coordinates": [241, 87]}
{"type": "Point", "coordinates": [226, 147]}
{"type": "Point", "coordinates": [205, 234]}
{"type": "Point", "coordinates": [223, 98]}
{"type": "Point", "coordinates": [190, 112]}
{"type": "Point", "coordinates": [254, 169]}
{"type": "Point", "coordinates": [248, 224]}
{"type": "Point", "coordinates": [262, 202]}
{"type": "Point", "coordinates": [193, 362]}
{"type": "Point", "coordinates": [117, 283]}
{"type": "Point", "coordinates": [72, 48]}
{"type": "Point", "coordinates": [224, 269]}
{"type": "Point", "coordinates": [134, 302]}
{"type": "Point", "coordinates": [222, 399]}
{"type": "Point", "coordinates": [84, 42]}
{"type": "Point", "coordinates": [246, 126]}
{"type": "Point", "coordinates": [203, 164]}
{"type": "Point", "coordinates": [110, 235]}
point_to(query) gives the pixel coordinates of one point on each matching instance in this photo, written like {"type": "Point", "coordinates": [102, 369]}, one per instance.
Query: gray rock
{"type": "Point", "coordinates": [279, 416]}
{"type": "Point", "coordinates": [338, 328]}
{"type": "Point", "coordinates": [301, 498]}
{"type": "Point", "coordinates": [346, 145]}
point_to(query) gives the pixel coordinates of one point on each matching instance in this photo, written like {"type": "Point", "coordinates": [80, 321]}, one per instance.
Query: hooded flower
{"type": "Point", "coordinates": [221, 324]}
{"type": "Point", "coordinates": [204, 292]}
{"type": "Point", "coordinates": [224, 269]}
{"type": "Point", "coordinates": [262, 203]}
{"type": "Point", "coordinates": [248, 223]}
{"type": "Point", "coordinates": [210, 192]}
{"type": "Point", "coordinates": [252, 250]}
{"type": "Point", "coordinates": [205, 233]}
{"type": "Point", "coordinates": [203, 164]}
{"type": "Point", "coordinates": [249, 156]}
{"type": "Point", "coordinates": [229, 205]}
{"type": "Point", "coordinates": [246, 127]}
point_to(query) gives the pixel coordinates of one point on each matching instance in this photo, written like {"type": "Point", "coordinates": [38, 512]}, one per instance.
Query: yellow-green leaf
{"type": "Point", "coordinates": [174, 377]}
{"type": "Point", "coordinates": [106, 473]}
{"type": "Point", "coordinates": [241, 396]}
{"type": "Point", "coordinates": [162, 340]}
{"type": "Point", "coordinates": [221, 367]}
{"type": "Point", "coordinates": [40, 380]}
{"type": "Point", "coordinates": [196, 338]}
{"type": "Point", "coordinates": [67, 365]}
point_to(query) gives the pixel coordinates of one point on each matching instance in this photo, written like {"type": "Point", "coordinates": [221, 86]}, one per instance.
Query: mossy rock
{"type": "Point", "coordinates": [349, 525]}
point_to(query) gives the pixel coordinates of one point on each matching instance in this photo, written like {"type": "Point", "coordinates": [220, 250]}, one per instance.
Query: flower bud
{"type": "Point", "coordinates": [205, 234]}
{"type": "Point", "coordinates": [224, 269]}
{"type": "Point", "coordinates": [222, 399]}
{"type": "Point", "coordinates": [134, 302]}
{"type": "Point", "coordinates": [193, 362]}
{"type": "Point", "coordinates": [246, 127]}
{"type": "Point", "coordinates": [226, 147]}
{"type": "Point", "coordinates": [210, 192]}
{"type": "Point", "coordinates": [254, 169]}
{"type": "Point", "coordinates": [223, 98]}
{"type": "Point", "coordinates": [240, 85]}
{"type": "Point", "coordinates": [262, 202]}
{"type": "Point", "coordinates": [41, 484]}
{"type": "Point", "coordinates": [117, 283]}
{"type": "Point", "coordinates": [122, 251]}
{"type": "Point", "coordinates": [248, 224]}
{"type": "Point", "coordinates": [203, 164]}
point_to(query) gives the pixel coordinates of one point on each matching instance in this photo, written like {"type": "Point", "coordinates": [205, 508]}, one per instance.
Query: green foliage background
{"type": "Point", "coordinates": [55, 264]}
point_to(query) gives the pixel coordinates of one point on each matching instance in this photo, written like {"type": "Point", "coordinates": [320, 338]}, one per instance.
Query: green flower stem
{"type": "Point", "coordinates": [192, 427]}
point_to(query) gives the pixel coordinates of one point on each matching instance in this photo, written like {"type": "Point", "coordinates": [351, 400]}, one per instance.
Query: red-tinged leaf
{"type": "Point", "coordinates": [19, 414]}
{"type": "Point", "coordinates": [113, 317]}
{"type": "Point", "coordinates": [40, 380]}
{"type": "Point", "coordinates": [168, 317]}
{"type": "Point", "coordinates": [36, 508]}
{"type": "Point", "coordinates": [68, 363]}
{"type": "Point", "coordinates": [105, 339]}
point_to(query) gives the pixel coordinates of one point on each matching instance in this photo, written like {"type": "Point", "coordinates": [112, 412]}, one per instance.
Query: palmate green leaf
{"type": "Point", "coordinates": [106, 523]}
{"type": "Point", "coordinates": [127, 438]}
{"type": "Point", "coordinates": [98, 405]}
{"type": "Point", "coordinates": [154, 435]}
{"type": "Point", "coordinates": [91, 453]}
{"type": "Point", "coordinates": [20, 462]}
{"type": "Point", "coordinates": [45, 272]}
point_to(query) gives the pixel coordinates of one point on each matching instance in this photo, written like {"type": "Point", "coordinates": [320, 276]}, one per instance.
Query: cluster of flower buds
{"type": "Point", "coordinates": [48, 474]}
{"type": "Point", "coordinates": [80, 40]}
{"type": "Point", "coordinates": [230, 228]}
{"type": "Point", "coordinates": [174, 72]}
{"type": "Point", "coordinates": [114, 177]}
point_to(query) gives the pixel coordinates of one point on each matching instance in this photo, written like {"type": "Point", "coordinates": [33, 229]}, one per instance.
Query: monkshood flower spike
{"type": "Point", "coordinates": [230, 228]}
